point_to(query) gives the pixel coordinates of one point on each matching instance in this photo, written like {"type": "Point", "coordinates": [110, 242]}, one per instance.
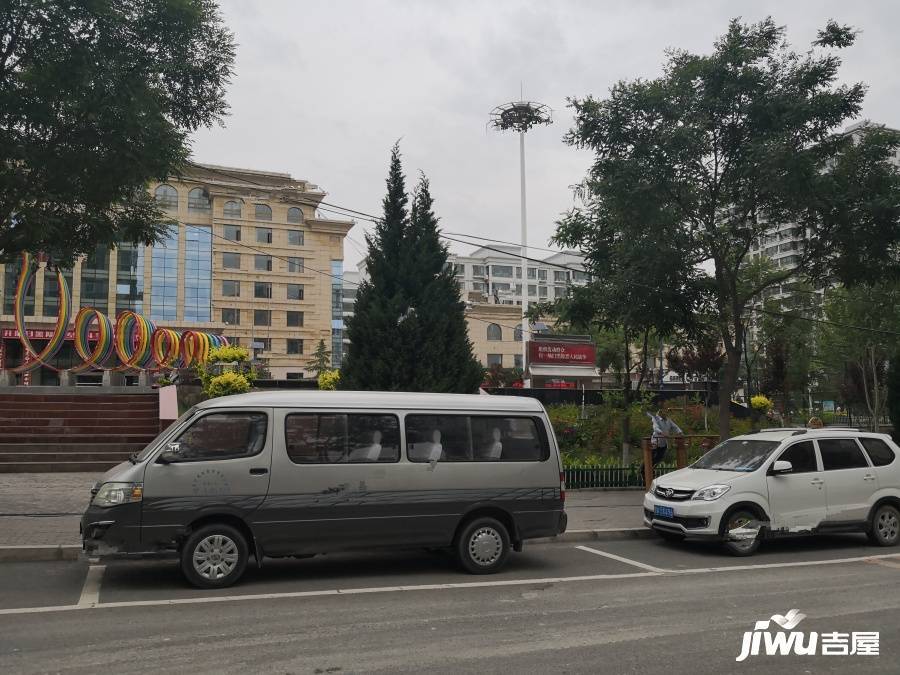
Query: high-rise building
{"type": "Point", "coordinates": [246, 256]}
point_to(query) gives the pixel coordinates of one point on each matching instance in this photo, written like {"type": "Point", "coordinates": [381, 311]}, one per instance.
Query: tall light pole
{"type": "Point", "coordinates": [520, 116]}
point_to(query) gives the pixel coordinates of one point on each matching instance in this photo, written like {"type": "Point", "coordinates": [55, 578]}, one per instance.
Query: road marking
{"type": "Point", "coordinates": [90, 592]}
{"type": "Point", "coordinates": [627, 561]}
{"type": "Point", "coordinates": [433, 587]}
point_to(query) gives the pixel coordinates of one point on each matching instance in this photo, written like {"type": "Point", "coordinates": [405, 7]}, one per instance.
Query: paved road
{"type": "Point", "coordinates": [640, 606]}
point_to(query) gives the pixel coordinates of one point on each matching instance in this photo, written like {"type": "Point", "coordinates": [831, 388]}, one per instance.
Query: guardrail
{"type": "Point", "coordinates": [600, 476]}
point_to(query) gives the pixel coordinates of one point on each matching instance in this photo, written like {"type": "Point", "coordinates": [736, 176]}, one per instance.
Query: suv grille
{"type": "Point", "coordinates": [688, 522]}
{"type": "Point", "coordinates": [673, 494]}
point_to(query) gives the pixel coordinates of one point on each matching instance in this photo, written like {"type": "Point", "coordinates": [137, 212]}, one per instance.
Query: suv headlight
{"type": "Point", "coordinates": [653, 485]}
{"type": "Point", "coordinates": [711, 492]}
{"type": "Point", "coordinates": [114, 494]}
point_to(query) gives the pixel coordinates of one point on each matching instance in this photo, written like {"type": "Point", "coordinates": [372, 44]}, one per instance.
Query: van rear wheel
{"type": "Point", "coordinates": [483, 546]}
{"type": "Point", "coordinates": [214, 556]}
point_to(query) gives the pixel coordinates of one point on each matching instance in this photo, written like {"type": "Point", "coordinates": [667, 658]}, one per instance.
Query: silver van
{"type": "Point", "coordinates": [276, 474]}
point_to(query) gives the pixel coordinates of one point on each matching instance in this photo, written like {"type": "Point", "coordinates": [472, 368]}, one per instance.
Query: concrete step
{"type": "Point", "coordinates": [49, 437]}
{"type": "Point", "coordinates": [95, 430]}
{"type": "Point", "coordinates": [76, 398]}
{"type": "Point", "coordinates": [76, 414]}
{"type": "Point", "coordinates": [75, 405]}
{"type": "Point", "coordinates": [56, 457]}
{"type": "Point", "coordinates": [115, 448]}
{"type": "Point", "coordinates": [55, 467]}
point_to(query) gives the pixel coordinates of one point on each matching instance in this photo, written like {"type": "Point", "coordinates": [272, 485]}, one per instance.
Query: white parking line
{"type": "Point", "coordinates": [627, 561]}
{"type": "Point", "coordinates": [90, 592]}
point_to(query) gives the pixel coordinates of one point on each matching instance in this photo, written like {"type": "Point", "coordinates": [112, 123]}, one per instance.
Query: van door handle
{"type": "Point", "coordinates": [869, 476]}
{"type": "Point", "coordinates": [259, 472]}
{"type": "Point", "coordinates": [817, 481]}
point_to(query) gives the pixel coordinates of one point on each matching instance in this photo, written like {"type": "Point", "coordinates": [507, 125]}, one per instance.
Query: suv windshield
{"type": "Point", "coordinates": [152, 444]}
{"type": "Point", "coordinates": [736, 455]}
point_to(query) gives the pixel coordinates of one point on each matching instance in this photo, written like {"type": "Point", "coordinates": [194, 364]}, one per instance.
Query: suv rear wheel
{"type": "Point", "coordinates": [483, 546]}
{"type": "Point", "coordinates": [884, 529]}
{"type": "Point", "coordinates": [214, 556]}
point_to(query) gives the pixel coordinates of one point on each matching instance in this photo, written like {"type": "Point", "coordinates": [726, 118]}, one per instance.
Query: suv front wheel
{"type": "Point", "coordinates": [884, 529]}
{"type": "Point", "coordinates": [738, 519]}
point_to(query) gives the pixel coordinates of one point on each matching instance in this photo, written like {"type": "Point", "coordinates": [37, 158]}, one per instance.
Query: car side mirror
{"type": "Point", "coordinates": [171, 454]}
{"type": "Point", "coordinates": [780, 467]}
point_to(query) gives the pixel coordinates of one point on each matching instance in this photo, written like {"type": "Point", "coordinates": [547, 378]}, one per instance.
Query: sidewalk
{"type": "Point", "coordinates": [43, 509]}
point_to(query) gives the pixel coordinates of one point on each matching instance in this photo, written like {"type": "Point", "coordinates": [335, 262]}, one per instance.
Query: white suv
{"type": "Point", "coordinates": [782, 482]}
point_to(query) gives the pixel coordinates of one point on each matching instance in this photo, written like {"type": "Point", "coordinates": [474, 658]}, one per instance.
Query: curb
{"type": "Point", "coordinates": [575, 536]}
{"type": "Point", "coordinates": [39, 553]}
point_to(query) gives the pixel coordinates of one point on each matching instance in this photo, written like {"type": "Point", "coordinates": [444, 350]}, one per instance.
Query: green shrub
{"type": "Point", "coordinates": [227, 384]}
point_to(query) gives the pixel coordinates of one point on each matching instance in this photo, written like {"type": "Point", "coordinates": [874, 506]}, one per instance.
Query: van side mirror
{"type": "Point", "coordinates": [171, 454]}
{"type": "Point", "coordinates": [781, 467]}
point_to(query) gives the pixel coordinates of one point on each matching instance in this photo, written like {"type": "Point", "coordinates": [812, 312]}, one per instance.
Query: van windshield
{"type": "Point", "coordinates": [736, 455]}
{"type": "Point", "coordinates": [142, 455]}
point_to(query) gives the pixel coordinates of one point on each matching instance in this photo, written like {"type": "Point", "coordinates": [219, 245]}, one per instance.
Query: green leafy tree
{"type": "Point", "coordinates": [96, 99]}
{"type": "Point", "coordinates": [862, 334]}
{"type": "Point", "coordinates": [321, 361]}
{"type": "Point", "coordinates": [408, 331]}
{"type": "Point", "coordinates": [893, 393]}
{"type": "Point", "coordinates": [707, 156]}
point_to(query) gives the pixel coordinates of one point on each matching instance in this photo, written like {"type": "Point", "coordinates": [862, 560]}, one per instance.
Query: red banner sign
{"type": "Point", "coordinates": [562, 353]}
{"type": "Point", "coordinates": [39, 334]}
{"type": "Point", "coordinates": [559, 384]}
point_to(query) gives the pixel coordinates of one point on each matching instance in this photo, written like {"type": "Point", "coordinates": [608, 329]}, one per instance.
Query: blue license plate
{"type": "Point", "coordinates": [664, 511]}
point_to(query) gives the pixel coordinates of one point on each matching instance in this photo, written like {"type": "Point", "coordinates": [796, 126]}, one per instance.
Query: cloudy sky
{"type": "Point", "coordinates": [323, 89]}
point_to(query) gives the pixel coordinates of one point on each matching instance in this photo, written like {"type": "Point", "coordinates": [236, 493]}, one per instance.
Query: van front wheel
{"type": "Point", "coordinates": [483, 546]}
{"type": "Point", "coordinates": [214, 556]}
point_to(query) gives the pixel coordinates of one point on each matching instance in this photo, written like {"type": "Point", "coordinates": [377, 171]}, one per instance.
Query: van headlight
{"type": "Point", "coordinates": [711, 492]}
{"type": "Point", "coordinates": [114, 494]}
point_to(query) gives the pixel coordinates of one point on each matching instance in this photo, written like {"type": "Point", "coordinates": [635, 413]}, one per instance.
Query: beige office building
{"type": "Point", "coordinates": [247, 257]}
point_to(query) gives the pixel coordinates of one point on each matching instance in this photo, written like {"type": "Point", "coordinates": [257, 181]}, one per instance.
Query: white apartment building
{"type": "Point", "coordinates": [494, 275]}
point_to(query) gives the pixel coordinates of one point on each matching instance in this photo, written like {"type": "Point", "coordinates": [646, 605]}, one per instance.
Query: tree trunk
{"type": "Point", "coordinates": [726, 389]}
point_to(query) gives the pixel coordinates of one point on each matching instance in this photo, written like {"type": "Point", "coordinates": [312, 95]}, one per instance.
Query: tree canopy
{"type": "Point", "coordinates": [408, 331]}
{"type": "Point", "coordinates": [96, 99]}
{"type": "Point", "coordinates": [707, 157]}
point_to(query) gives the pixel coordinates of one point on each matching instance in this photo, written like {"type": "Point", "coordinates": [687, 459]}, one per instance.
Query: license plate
{"type": "Point", "coordinates": [664, 511]}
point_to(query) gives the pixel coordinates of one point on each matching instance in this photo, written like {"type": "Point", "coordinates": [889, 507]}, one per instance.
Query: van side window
{"type": "Point", "coordinates": [224, 436]}
{"type": "Point", "coordinates": [802, 457]}
{"type": "Point", "coordinates": [338, 438]}
{"type": "Point", "coordinates": [841, 453]}
{"type": "Point", "coordinates": [475, 438]}
{"type": "Point", "coordinates": [879, 452]}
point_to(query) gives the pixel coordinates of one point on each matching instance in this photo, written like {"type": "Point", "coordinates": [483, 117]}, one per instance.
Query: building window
{"type": "Point", "coordinates": [263, 235]}
{"type": "Point", "coordinates": [231, 209]}
{"type": "Point", "coordinates": [233, 341]}
{"type": "Point", "coordinates": [560, 291]}
{"type": "Point", "coordinates": [10, 280]}
{"type": "Point", "coordinates": [295, 237]}
{"type": "Point", "coordinates": [294, 215]}
{"type": "Point", "coordinates": [198, 274]}
{"type": "Point", "coordinates": [542, 275]}
{"type": "Point", "coordinates": [517, 361]}
{"type": "Point", "coordinates": [262, 263]}
{"type": "Point", "coordinates": [51, 292]}
{"type": "Point", "coordinates": [494, 332]}
{"type": "Point", "coordinates": [294, 346]}
{"type": "Point", "coordinates": [559, 275]}
{"type": "Point", "coordinates": [337, 313]}
{"type": "Point", "coordinates": [532, 289]}
{"type": "Point", "coordinates": [262, 344]}
{"type": "Point", "coordinates": [95, 279]}
{"type": "Point", "coordinates": [517, 333]}
{"type": "Point", "coordinates": [164, 293]}
{"type": "Point", "coordinates": [500, 287]}
{"type": "Point", "coordinates": [295, 291]}
{"type": "Point", "coordinates": [478, 270]}
{"type": "Point", "coordinates": [262, 212]}
{"type": "Point", "coordinates": [166, 197]}
{"type": "Point", "coordinates": [478, 286]}
{"type": "Point", "coordinates": [505, 271]}
{"type": "Point", "coordinates": [129, 279]}
{"type": "Point", "coordinates": [262, 317]}
{"type": "Point", "coordinates": [295, 319]}
{"type": "Point", "coordinates": [231, 317]}
{"type": "Point", "coordinates": [518, 289]}
{"type": "Point", "coordinates": [495, 360]}
{"type": "Point", "coordinates": [542, 291]}
{"type": "Point", "coordinates": [578, 275]}
{"type": "Point", "coordinates": [198, 199]}
{"type": "Point", "coordinates": [262, 289]}
{"type": "Point", "coordinates": [532, 273]}
{"type": "Point", "coordinates": [232, 232]}
{"type": "Point", "coordinates": [459, 269]}
{"type": "Point", "coordinates": [230, 289]}
{"type": "Point", "coordinates": [294, 376]}
{"type": "Point", "coordinates": [231, 261]}
{"type": "Point", "coordinates": [518, 273]}
{"type": "Point", "coordinates": [295, 264]}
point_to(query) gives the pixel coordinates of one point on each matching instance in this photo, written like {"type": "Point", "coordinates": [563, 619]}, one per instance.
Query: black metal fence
{"type": "Point", "coordinates": [578, 477]}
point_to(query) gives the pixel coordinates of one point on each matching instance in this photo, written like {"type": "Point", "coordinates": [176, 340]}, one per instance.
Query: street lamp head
{"type": "Point", "coordinates": [520, 116]}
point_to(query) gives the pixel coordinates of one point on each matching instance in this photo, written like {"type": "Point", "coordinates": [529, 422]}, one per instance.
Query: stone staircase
{"type": "Point", "coordinates": [74, 432]}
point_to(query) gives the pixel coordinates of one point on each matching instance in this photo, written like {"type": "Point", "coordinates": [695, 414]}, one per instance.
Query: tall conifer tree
{"type": "Point", "coordinates": [408, 331]}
